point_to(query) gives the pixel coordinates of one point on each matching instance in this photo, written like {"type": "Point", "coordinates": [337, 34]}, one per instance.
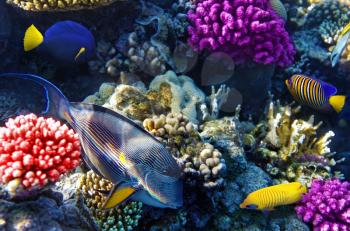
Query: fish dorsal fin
{"type": "Point", "coordinates": [118, 194]}
{"type": "Point", "coordinates": [66, 28]}
{"type": "Point", "coordinates": [329, 89]}
{"type": "Point", "coordinates": [32, 38]}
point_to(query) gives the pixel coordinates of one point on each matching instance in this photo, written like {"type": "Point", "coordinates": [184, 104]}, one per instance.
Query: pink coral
{"type": "Point", "coordinates": [326, 205]}
{"type": "Point", "coordinates": [36, 150]}
{"type": "Point", "coordinates": [245, 29]}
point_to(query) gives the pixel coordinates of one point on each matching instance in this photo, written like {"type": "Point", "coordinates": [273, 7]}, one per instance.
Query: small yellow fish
{"type": "Point", "coordinates": [268, 198]}
{"type": "Point", "coordinates": [340, 46]}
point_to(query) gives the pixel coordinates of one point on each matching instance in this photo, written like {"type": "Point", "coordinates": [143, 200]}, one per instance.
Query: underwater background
{"type": "Point", "coordinates": [185, 113]}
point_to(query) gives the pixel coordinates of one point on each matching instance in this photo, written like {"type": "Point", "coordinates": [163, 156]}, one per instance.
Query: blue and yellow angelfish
{"type": "Point", "coordinates": [115, 147]}
{"type": "Point", "coordinates": [315, 93]}
{"type": "Point", "coordinates": [65, 42]}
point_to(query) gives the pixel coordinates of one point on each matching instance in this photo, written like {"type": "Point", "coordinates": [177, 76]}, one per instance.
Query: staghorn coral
{"type": "Point", "coordinates": [58, 5]}
{"type": "Point", "coordinates": [36, 151]}
{"type": "Point", "coordinates": [290, 148]}
{"type": "Point", "coordinates": [124, 217]}
{"type": "Point", "coordinates": [215, 102]}
{"type": "Point", "coordinates": [247, 30]}
{"type": "Point", "coordinates": [326, 205]}
{"type": "Point", "coordinates": [182, 138]}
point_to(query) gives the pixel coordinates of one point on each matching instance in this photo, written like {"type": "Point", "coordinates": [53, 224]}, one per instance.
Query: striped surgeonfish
{"type": "Point", "coordinates": [268, 198]}
{"type": "Point", "coordinates": [340, 46]}
{"type": "Point", "coordinates": [116, 148]}
{"type": "Point", "coordinates": [311, 92]}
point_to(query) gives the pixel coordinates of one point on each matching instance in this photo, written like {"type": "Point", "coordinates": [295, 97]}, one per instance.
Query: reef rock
{"type": "Point", "coordinates": [47, 212]}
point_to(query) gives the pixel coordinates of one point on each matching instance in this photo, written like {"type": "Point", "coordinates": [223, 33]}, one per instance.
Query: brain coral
{"type": "Point", "coordinates": [245, 29]}
{"type": "Point", "coordinates": [58, 5]}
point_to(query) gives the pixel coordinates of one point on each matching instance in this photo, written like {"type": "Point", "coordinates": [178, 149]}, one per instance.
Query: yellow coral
{"type": "Point", "coordinates": [58, 5]}
{"type": "Point", "coordinates": [290, 148]}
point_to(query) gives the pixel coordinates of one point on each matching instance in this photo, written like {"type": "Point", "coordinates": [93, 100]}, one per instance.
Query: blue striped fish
{"type": "Point", "coordinates": [118, 149]}
{"type": "Point", "coordinates": [311, 92]}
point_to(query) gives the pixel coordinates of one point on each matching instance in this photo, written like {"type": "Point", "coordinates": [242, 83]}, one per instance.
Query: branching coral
{"type": "Point", "coordinates": [326, 205]}
{"type": "Point", "coordinates": [245, 29]}
{"type": "Point", "coordinates": [58, 5]}
{"type": "Point", "coordinates": [198, 158]}
{"type": "Point", "coordinates": [36, 151]}
{"type": "Point", "coordinates": [124, 217]}
{"type": "Point", "coordinates": [290, 148]}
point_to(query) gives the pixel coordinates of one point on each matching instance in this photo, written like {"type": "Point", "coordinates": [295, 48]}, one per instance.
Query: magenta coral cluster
{"type": "Point", "coordinates": [36, 150]}
{"type": "Point", "coordinates": [244, 29]}
{"type": "Point", "coordinates": [326, 205]}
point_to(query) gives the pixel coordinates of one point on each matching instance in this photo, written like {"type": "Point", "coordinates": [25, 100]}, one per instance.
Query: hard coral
{"type": "Point", "coordinates": [289, 148]}
{"type": "Point", "coordinates": [326, 205]}
{"type": "Point", "coordinates": [58, 5]}
{"type": "Point", "coordinates": [245, 29]}
{"type": "Point", "coordinates": [182, 138]}
{"type": "Point", "coordinates": [36, 150]}
{"type": "Point", "coordinates": [124, 217]}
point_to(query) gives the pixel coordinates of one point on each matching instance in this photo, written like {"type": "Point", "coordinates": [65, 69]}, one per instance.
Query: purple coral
{"type": "Point", "coordinates": [245, 29]}
{"type": "Point", "coordinates": [326, 205]}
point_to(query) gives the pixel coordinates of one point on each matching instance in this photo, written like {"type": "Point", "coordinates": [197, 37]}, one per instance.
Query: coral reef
{"type": "Point", "coordinates": [215, 102]}
{"type": "Point", "coordinates": [327, 205]}
{"type": "Point", "coordinates": [36, 151]}
{"type": "Point", "coordinates": [59, 5]}
{"type": "Point", "coordinates": [289, 149]}
{"type": "Point", "coordinates": [124, 217]}
{"type": "Point", "coordinates": [246, 30]}
{"type": "Point", "coordinates": [198, 158]}
{"type": "Point", "coordinates": [185, 96]}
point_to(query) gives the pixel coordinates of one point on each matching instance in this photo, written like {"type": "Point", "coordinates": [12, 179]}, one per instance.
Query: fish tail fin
{"type": "Point", "coordinates": [57, 104]}
{"type": "Point", "coordinates": [337, 102]}
{"type": "Point", "coordinates": [32, 38]}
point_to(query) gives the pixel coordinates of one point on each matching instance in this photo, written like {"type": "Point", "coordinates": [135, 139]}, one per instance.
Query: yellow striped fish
{"type": "Point", "coordinates": [270, 197]}
{"type": "Point", "coordinates": [311, 92]}
{"type": "Point", "coordinates": [340, 46]}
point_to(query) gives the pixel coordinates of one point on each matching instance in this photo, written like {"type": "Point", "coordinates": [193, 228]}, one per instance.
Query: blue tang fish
{"type": "Point", "coordinates": [116, 148]}
{"type": "Point", "coordinates": [315, 93]}
{"type": "Point", "coordinates": [65, 42]}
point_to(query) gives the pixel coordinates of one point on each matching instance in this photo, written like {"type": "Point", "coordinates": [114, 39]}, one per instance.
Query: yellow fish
{"type": "Point", "coordinates": [270, 197]}
{"type": "Point", "coordinates": [341, 44]}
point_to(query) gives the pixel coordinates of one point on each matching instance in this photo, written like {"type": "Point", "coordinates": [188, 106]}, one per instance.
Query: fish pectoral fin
{"type": "Point", "coordinates": [32, 38]}
{"type": "Point", "coordinates": [118, 195]}
{"type": "Point", "coordinates": [80, 52]}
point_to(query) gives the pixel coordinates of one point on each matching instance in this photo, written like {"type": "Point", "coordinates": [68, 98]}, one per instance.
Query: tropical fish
{"type": "Point", "coordinates": [65, 42]}
{"type": "Point", "coordinates": [340, 46]}
{"type": "Point", "coordinates": [268, 198]}
{"type": "Point", "coordinates": [115, 147]}
{"type": "Point", "coordinates": [311, 92]}
{"type": "Point", "coordinates": [278, 6]}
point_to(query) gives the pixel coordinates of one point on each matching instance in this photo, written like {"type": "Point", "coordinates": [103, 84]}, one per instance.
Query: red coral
{"type": "Point", "coordinates": [37, 150]}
